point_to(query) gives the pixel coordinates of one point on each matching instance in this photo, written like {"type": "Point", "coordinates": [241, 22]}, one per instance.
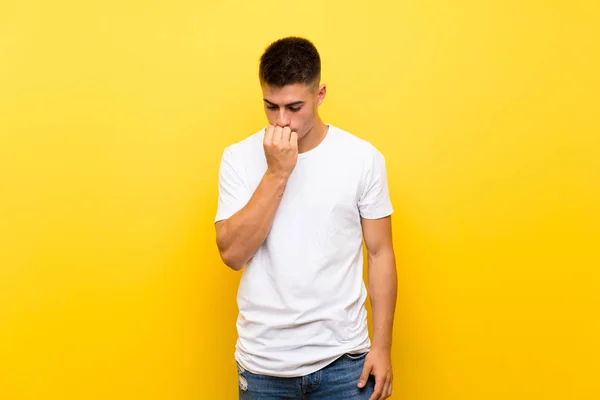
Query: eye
{"type": "Point", "coordinates": [272, 107]}
{"type": "Point", "coordinates": [295, 109]}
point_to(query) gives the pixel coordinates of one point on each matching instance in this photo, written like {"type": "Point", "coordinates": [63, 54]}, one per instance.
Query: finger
{"type": "Point", "coordinates": [294, 140]}
{"type": "Point", "coordinates": [285, 135]}
{"type": "Point", "coordinates": [277, 135]}
{"type": "Point", "coordinates": [364, 376]}
{"type": "Point", "coordinates": [268, 139]}
{"type": "Point", "coordinates": [379, 382]}
{"type": "Point", "coordinates": [389, 389]}
{"type": "Point", "coordinates": [385, 393]}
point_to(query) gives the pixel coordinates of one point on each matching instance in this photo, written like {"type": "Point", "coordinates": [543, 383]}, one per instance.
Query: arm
{"type": "Point", "coordinates": [240, 236]}
{"type": "Point", "coordinates": [244, 227]}
{"type": "Point", "coordinates": [382, 291]}
{"type": "Point", "coordinates": [382, 279]}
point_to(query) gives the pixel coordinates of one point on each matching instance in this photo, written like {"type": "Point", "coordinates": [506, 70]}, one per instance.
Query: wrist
{"type": "Point", "coordinates": [279, 176]}
{"type": "Point", "coordinates": [381, 346]}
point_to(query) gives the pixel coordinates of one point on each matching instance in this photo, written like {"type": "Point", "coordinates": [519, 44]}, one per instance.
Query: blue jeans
{"type": "Point", "coordinates": [337, 380]}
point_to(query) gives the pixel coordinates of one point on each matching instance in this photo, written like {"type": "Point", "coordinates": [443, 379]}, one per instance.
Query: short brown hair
{"type": "Point", "coordinates": [288, 61]}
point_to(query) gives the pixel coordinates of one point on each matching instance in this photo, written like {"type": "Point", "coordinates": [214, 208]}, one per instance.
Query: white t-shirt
{"type": "Point", "coordinates": [301, 297]}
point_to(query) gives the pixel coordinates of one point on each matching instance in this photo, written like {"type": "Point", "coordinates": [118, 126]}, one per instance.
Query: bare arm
{"type": "Point", "coordinates": [382, 292]}
{"type": "Point", "coordinates": [382, 279]}
{"type": "Point", "coordinates": [240, 236]}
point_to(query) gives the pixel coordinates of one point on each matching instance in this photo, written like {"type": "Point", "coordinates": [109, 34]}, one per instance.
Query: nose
{"type": "Point", "coordinates": [283, 118]}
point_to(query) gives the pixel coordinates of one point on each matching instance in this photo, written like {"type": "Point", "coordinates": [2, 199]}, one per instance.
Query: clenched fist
{"type": "Point", "coordinates": [281, 150]}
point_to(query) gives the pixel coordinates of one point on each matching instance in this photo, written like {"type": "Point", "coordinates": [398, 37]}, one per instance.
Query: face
{"type": "Point", "coordinates": [293, 105]}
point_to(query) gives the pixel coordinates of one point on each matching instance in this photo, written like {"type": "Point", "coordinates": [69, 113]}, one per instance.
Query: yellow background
{"type": "Point", "coordinates": [113, 117]}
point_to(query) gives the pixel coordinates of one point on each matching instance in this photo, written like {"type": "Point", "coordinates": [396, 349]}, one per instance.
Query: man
{"type": "Point", "coordinates": [295, 201]}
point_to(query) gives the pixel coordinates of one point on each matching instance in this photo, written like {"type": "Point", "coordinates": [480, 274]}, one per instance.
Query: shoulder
{"type": "Point", "coordinates": [247, 148]}
{"type": "Point", "coordinates": [355, 146]}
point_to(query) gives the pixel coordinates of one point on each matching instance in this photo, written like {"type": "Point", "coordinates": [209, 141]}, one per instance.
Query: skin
{"type": "Point", "coordinates": [295, 127]}
{"type": "Point", "coordinates": [296, 106]}
{"type": "Point", "coordinates": [382, 278]}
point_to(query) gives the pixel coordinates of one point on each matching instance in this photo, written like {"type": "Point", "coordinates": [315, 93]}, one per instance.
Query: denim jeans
{"type": "Point", "coordinates": [337, 380]}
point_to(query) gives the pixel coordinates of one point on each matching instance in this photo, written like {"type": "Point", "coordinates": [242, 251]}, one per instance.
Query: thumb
{"type": "Point", "coordinates": [364, 376]}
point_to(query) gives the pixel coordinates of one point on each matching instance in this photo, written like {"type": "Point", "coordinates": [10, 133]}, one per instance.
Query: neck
{"type": "Point", "coordinates": [313, 137]}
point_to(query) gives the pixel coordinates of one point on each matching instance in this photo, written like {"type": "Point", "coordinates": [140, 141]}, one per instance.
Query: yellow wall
{"type": "Point", "coordinates": [113, 116]}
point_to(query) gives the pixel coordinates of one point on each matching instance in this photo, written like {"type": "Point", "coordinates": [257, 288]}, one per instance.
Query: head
{"type": "Point", "coordinates": [290, 75]}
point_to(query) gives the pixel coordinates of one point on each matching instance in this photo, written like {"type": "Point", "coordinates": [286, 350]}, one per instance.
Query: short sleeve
{"type": "Point", "coordinates": [233, 193]}
{"type": "Point", "coordinates": [375, 200]}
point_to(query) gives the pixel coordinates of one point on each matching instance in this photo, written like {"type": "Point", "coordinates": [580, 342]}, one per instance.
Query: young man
{"type": "Point", "coordinates": [295, 201]}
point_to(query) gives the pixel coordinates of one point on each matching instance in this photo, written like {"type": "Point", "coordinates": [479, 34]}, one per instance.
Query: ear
{"type": "Point", "coordinates": [321, 91]}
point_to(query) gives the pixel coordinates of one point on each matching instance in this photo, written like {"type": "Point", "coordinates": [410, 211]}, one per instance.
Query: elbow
{"type": "Point", "coordinates": [229, 256]}
{"type": "Point", "coordinates": [381, 251]}
{"type": "Point", "coordinates": [233, 262]}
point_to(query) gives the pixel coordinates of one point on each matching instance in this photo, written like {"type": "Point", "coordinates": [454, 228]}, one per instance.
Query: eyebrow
{"type": "Point", "coordinates": [295, 103]}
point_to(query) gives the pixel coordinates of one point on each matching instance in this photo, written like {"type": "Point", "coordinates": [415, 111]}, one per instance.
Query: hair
{"type": "Point", "coordinates": [289, 61]}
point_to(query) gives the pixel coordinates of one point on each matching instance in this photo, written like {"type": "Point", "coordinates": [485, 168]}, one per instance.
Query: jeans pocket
{"type": "Point", "coordinates": [355, 356]}
{"type": "Point", "coordinates": [242, 381]}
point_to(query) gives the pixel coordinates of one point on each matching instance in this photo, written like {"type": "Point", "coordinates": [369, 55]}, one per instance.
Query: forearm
{"type": "Point", "coordinates": [244, 232]}
{"type": "Point", "coordinates": [383, 293]}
